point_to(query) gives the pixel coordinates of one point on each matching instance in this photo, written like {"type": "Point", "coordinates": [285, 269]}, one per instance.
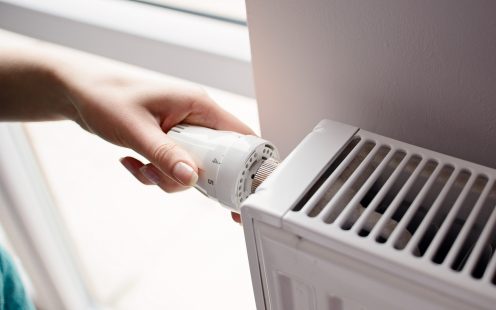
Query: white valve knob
{"type": "Point", "coordinates": [227, 161]}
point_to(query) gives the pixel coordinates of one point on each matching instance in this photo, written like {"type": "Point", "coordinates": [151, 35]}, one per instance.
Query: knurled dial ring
{"type": "Point", "coordinates": [267, 167]}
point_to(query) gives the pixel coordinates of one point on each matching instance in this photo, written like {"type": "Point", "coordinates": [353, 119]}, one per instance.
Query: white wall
{"type": "Point", "coordinates": [419, 71]}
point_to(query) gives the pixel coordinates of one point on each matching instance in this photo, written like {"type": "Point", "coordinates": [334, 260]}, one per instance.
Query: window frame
{"type": "Point", "coordinates": [34, 227]}
{"type": "Point", "coordinates": [206, 51]}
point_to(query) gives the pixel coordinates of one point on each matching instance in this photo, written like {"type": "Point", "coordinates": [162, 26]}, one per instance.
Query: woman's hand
{"type": "Point", "coordinates": [122, 104]}
{"type": "Point", "coordinates": [135, 110]}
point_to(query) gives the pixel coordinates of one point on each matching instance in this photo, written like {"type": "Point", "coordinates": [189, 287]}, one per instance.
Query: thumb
{"type": "Point", "coordinates": [166, 155]}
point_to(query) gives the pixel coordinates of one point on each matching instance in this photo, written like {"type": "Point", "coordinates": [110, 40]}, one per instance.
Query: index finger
{"type": "Point", "coordinates": [206, 112]}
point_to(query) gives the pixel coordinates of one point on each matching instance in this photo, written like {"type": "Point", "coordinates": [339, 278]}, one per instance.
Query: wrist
{"type": "Point", "coordinates": [48, 67]}
{"type": "Point", "coordinates": [66, 106]}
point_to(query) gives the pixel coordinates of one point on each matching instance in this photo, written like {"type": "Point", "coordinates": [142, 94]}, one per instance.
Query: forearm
{"type": "Point", "coordinates": [31, 86]}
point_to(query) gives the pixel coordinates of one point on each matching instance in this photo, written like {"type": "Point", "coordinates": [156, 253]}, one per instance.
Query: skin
{"type": "Point", "coordinates": [122, 104]}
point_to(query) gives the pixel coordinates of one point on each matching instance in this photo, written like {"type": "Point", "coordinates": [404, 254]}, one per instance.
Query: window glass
{"type": "Point", "coordinates": [142, 248]}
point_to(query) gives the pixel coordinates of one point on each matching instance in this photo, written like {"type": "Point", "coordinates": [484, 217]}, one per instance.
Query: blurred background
{"type": "Point", "coordinates": [133, 246]}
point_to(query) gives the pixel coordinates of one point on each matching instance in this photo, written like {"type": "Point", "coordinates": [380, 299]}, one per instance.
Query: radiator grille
{"type": "Point", "coordinates": [419, 202]}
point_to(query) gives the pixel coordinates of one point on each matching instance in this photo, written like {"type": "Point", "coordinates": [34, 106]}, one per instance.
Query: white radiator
{"type": "Point", "coordinates": [355, 220]}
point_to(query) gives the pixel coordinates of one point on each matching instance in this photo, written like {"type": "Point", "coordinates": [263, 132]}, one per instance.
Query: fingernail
{"type": "Point", "coordinates": [236, 217]}
{"type": "Point", "coordinates": [185, 174]}
{"type": "Point", "coordinates": [126, 164]}
{"type": "Point", "coordinates": [129, 166]}
{"type": "Point", "coordinates": [150, 174]}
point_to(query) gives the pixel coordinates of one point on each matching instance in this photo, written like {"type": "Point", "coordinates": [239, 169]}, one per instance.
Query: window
{"type": "Point", "coordinates": [141, 248]}
{"type": "Point", "coordinates": [135, 247]}
{"type": "Point", "coordinates": [175, 43]}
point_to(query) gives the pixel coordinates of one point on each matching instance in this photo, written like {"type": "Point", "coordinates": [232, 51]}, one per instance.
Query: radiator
{"type": "Point", "coordinates": [354, 220]}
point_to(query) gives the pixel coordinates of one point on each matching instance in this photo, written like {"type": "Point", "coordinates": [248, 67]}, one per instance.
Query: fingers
{"type": "Point", "coordinates": [133, 165]}
{"type": "Point", "coordinates": [145, 132]}
{"type": "Point", "coordinates": [236, 217]}
{"type": "Point", "coordinates": [227, 121]}
{"type": "Point", "coordinates": [165, 154]}
{"type": "Point", "coordinates": [205, 112]}
{"type": "Point", "coordinates": [164, 182]}
{"type": "Point", "coordinates": [151, 175]}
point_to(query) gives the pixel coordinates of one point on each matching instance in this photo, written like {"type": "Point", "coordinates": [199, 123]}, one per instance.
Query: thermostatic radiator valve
{"type": "Point", "coordinates": [231, 165]}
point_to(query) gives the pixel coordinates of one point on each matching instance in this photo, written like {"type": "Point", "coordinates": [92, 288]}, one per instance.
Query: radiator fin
{"type": "Point", "coordinates": [418, 202]}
